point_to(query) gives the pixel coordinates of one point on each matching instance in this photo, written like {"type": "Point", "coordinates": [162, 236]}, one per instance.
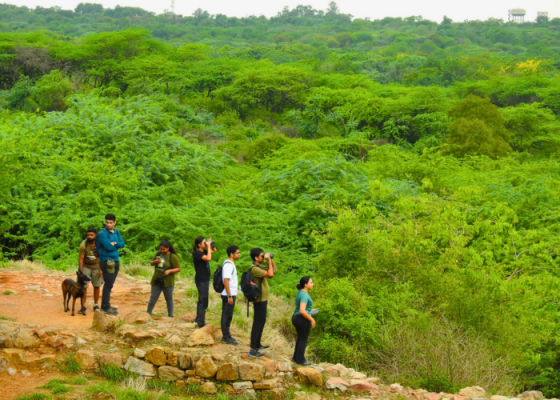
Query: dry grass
{"type": "Point", "coordinates": [443, 354]}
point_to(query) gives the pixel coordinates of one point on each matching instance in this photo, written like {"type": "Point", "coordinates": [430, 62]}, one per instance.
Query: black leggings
{"type": "Point", "coordinates": [303, 326]}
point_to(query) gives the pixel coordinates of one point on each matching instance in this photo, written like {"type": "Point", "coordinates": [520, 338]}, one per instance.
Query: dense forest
{"type": "Point", "coordinates": [411, 167]}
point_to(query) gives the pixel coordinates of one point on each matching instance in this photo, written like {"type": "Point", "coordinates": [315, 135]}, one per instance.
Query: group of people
{"type": "Point", "coordinates": [99, 260]}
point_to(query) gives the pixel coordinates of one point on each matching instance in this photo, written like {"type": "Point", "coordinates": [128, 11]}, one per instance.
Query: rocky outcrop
{"type": "Point", "coordinates": [137, 317]}
{"type": "Point", "coordinates": [310, 375]}
{"type": "Point", "coordinates": [140, 367]}
{"type": "Point", "coordinates": [203, 337]}
{"type": "Point", "coordinates": [103, 322]}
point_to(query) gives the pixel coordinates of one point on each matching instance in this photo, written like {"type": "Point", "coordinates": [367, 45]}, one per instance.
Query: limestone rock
{"type": "Point", "coordinates": [85, 358]}
{"type": "Point", "coordinates": [170, 374]}
{"type": "Point", "coordinates": [472, 391]}
{"type": "Point", "coordinates": [395, 387]}
{"type": "Point", "coordinates": [188, 317]}
{"type": "Point", "coordinates": [535, 394]}
{"type": "Point", "coordinates": [307, 396]}
{"type": "Point", "coordinates": [227, 372]}
{"type": "Point", "coordinates": [362, 385]}
{"type": "Point", "coordinates": [103, 322]}
{"type": "Point", "coordinates": [16, 356]}
{"type": "Point", "coordinates": [3, 365]}
{"type": "Point", "coordinates": [139, 353]}
{"type": "Point", "coordinates": [251, 371]}
{"type": "Point", "coordinates": [80, 341]}
{"type": "Point", "coordinates": [284, 366]}
{"type": "Point", "coordinates": [171, 358]}
{"type": "Point", "coordinates": [140, 335]}
{"type": "Point", "coordinates": [174, 340]}
{"type": "Point", "coordinates": [209, 388]}
{"type": "Point", "coordinates": [25, 339]}
{"type": "Point", "coordinates": [249, 394]}
{"type": "Point", "coordinates": [205, 367]}
{"type": "Point", "coordinates": [137, 317]}
{"type": "Point", "coordinates": [337, 383]}
{"type": "Point", "coordinates": [203, 337]}
{"type": "Point", "coordinates": [274, 394]}
{"type": "Point", "coordinates": [332, 371]}
{"type": "Point", "coordinates": [184, 360]}
{"type": "Point", "coordinates": [139, 367]}
{"type": "Point", "coordinates": [111, 359]}
{"type": "Point", "coordinates": [356, 375]}
{"type": "Point", "coordinates": [193, 381]}
{"type": "Point", "coordinates": [432, 396]}
{"type": "Point", "coordinates": [240, 386]}
{"type": "Point", "coordinates": [126, 328]}
{"type": "Point", "coordinates": [11, 371]}
{"type": "Point", "coordinates": [267, 384]}
{"type": "Point", "coordinates": [374, 380]}
{"type": "Point", "coordinates": [310, 375]}
{"type": "Point", "coordinates": [495, 397]}
{"type": "Point", "coordinates": [156, 355]}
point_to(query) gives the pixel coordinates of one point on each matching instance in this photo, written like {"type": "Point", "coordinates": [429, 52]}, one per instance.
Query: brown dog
{"type": "Point", "coordinates": [74, 290]}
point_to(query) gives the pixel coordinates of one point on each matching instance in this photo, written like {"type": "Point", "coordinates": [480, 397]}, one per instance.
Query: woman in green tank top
{"type": "Point", "coordinates": [302, 319]}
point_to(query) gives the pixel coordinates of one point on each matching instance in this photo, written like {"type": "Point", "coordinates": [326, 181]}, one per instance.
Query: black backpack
{"type": "Point", "coordinates": [250, 289]}
{"type": "Point", "coordinates": [217, 280]}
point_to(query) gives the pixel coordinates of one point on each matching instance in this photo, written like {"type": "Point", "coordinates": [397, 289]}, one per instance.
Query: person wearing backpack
{"type": "Point", "coordinates": [302, 319]}
{"type": "Point", "coordinates": [261, 275]}
{"type": "Point", "coordinates": [167, 264]}
{"type": "Point", "coordinates": [202, 255]}
{"type": "Point", "coordinates": [229, 294]}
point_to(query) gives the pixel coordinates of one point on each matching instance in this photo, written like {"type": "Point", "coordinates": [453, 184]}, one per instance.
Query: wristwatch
{"type": "Point", "coordinates": [229, 297]}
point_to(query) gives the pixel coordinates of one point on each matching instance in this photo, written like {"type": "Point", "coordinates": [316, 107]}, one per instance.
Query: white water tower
{"type": "Point", "coordinates": [517, 15]}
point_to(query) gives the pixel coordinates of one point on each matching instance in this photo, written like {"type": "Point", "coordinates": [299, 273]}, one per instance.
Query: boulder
{"type": "Point", "coordinates": [535, 394]}
{"type": "Point", "coordinates": [337, 383]}
{"type": "Point", "coordinates": [307, 396]}
{"type": "Point", "coordinates": [249, 394]}
{"type": "Point", "coordinates": [15, 356]}
{"type": "Point", "coordinates": [472, 391]}
{"type": "Point", "coordinates": [124, 329]}
{"type": "Point", "coordinates": [26, 339]}
{"type": "Point", "coordinates": [103, 322]}
{"type": "Point", "coordinates": [209, 388]}
{"type": "Point", "coordinates": [170, 374]}
{"type": "Point", "coordinates": [156, 355]}
{"type": "Point", "coordinates": [356, 375]}
{"type": "Point", "coordinates": [139, 353]}
{"type": "Point", "coordinates": [284, 366]}
{"type": "Point", "coordinates": [332, 371]}
{"type": "Point", "coordinates": [138, 335]}
{"type": "Point", "coordinates": [432, 396]}
{"type": "Point", "coordinates": [137, 317]}
{"type": "Point", "coordinates": [171, 357]}
{"type": "Point", "coordinates": [310, 375]}
{"type": "Point", "coordinates": [240, 386]}
{"type": "Point", "coordinates": [495, 397]}
{"type": "Point", "coordinates": [193, 381]}
{"type": "Point", "coordinates": [188, 317]}
{"type": "Point", "coordinates": [374, 380]}
{"type": "Point", "coordinates": [111, 359]}
{"type": "Point", "coordinates": [184, 360]}
{"type": "Point", "coordinates": [251, 371]}
{"type": "Point", "coordinates": [174, 340]}
{"type": "Point", "coordinates": [203, 336]}
{"type": "Point", "coordinates": [85, 359]}
{"type": "Point", "coordinates": [395, 387]}
{"type": "Point", "coordinates": [267, 384]}
{"type": "Point", "coordinates": [227, 372]}
{"type": "Point", "coordinates": [205, 367]}
{"type": "Point", "coordinates": [140, 367]}
{"type": "Point", "coordinates": [362, 385]}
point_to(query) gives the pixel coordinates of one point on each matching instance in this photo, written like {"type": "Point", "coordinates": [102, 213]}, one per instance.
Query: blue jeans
{"type": "Point", "coordinates": [202, 304]}
{"type": "Point", "coordinates": [167, 293]}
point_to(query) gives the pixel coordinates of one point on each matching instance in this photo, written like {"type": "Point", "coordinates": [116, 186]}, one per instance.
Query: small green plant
{"type": "Point", "coordinates": [111, 372]}
{"type": "Point", "coordinates": [70, 364]}
{"type": "Point", "coordinates": [193, 389]}
{"type": "Point", "coordinates": [35, 396]}
{"type": "Point", "coordinates": [56, 386]}
{"type": "Point", "coordinates": [6, 318]}
{"type": "Point", "coordinates": [8, 292]}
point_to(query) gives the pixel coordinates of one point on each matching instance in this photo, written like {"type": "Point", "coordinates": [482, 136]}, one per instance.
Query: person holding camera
{"type": "Point", "coordinates": [302, 319]}
{"type": "Point", "coordinates": [167, 264]}
{"type": "Point", "coordinates": [202, 255]}
{"type": "Point", "coordinates": [261, 275]}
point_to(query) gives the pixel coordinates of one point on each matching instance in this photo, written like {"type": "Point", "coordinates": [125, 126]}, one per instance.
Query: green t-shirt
{"type": "Point", "coordinates": [258, 274]}
{"type": "Point", "coordinates": [91, 259]}
{"type": "Point", "coordinates": [303, 297]}
{"type": "Point", "coordinates": [159, 269]}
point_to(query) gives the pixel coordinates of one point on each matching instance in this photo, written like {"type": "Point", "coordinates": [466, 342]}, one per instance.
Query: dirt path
{"type": "Point", "coordinates": [37, 299]}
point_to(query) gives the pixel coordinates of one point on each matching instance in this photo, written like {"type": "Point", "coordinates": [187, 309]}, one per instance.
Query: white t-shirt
{"type": "Point", "coordinates": [230, 272]}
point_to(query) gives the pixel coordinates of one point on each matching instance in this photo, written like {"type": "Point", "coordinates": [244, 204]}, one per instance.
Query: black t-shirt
{"type": "Point", "coordinates": [201, 267]}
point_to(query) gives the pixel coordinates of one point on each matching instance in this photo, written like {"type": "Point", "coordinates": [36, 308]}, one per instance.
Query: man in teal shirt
{"type": "Point", "coordinates": [109, 241]}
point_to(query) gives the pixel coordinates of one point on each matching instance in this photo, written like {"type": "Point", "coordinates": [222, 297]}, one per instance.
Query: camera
{"type": "Point", "coordinates": [271, 255]}
{"type": "Point", "coordinates": [212, 244]}
{"type": "Point", "coordinates": [159, 281]}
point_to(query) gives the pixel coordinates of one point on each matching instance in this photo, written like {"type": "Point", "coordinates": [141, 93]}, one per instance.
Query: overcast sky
{"type": "Point", "coordinates": [429, 9]}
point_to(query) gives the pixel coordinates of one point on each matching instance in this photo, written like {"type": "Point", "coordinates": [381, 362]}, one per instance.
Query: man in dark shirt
{"type": "Point", "coordinates": [202, 255]}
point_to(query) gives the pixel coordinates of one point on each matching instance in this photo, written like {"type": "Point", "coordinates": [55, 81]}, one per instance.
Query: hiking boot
{"type": "Point", "coordinates": [95, 307]}
{"type": "Point", "coordinates": [255, 353]}
{"type": "Point", "coordinates": [230, 340]}
{"type": "Point", "coordinates": [110, 312]}
{"type": "Point", "coordinates": [306, 363]}
{"type": "Point", "coordinates": [82, 311]}
{"type": "Point", "coordinates": [263, 347]}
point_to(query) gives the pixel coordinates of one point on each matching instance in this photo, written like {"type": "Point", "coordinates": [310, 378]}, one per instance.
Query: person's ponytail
{"type": "Point", "coordinates": [197, 242]}
{"type": "Point", "coordinates": [302, 282]}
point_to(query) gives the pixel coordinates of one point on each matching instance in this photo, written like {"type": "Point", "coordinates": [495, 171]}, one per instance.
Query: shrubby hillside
{"type": "Point", "coordinates": [411, 167]}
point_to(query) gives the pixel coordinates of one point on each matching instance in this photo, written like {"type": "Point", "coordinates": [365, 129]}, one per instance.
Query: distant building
{"type": "Point", "coordinates": [517, 15]}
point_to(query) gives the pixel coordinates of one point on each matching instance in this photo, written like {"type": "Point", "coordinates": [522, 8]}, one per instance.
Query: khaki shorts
{"type": "Point", "coordinates": [93, 274]}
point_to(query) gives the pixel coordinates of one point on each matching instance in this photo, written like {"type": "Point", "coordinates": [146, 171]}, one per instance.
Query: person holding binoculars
{"type": "Point", "coordinates": [261, 275]}
{"type": "Point", "coordinates": [202, 255]}
{"type": "Point", "coordinates": [167, 264]}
